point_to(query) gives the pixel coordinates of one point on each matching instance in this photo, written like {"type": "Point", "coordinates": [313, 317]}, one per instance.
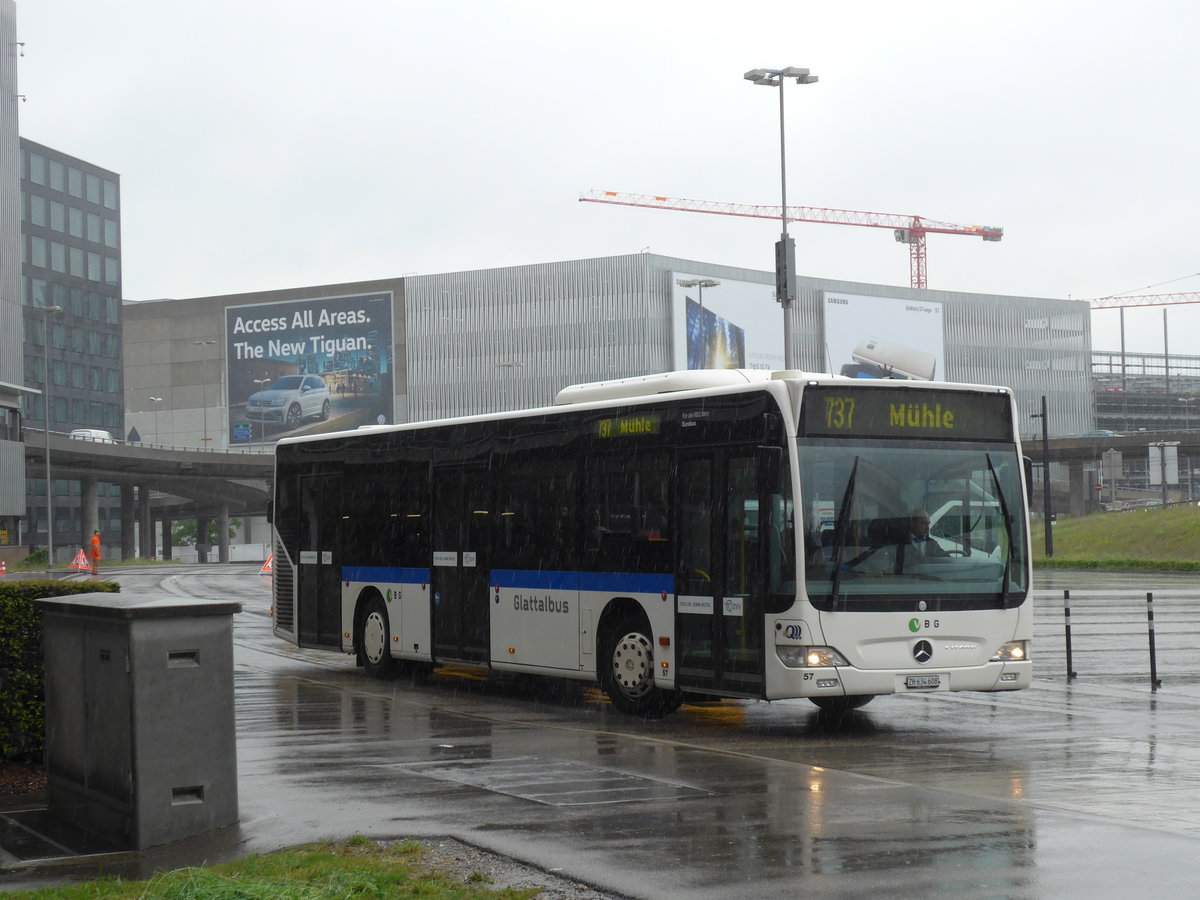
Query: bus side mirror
{"type": "Point", "coordinates": [270, 512]}
{"type": "Point", "coordinates": [1028, 481]}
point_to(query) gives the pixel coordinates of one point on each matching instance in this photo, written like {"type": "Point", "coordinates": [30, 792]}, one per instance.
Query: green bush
{"type": "Point", "coordinates": [22, 686]}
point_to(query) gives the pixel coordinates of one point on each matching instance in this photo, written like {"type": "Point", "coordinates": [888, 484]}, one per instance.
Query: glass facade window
{"type": "Point", "coordinates": [93, 228]}
{"type": "Point", "coordinates": [114, 310]}
{"type": "Point", "coordinates": [110, 194]}
{"type": "Point", "coordinates": [58, 371]}
{"type": "Point", "coordinates": [39, 295]}
{"type": "Point", "coordinates": [95, 305]}
{"type": "Point", "coordinates": [78, 375]}
{"type": "Point", "coordinates": [112, 273]}
{"type": "Point", "coordinates": [114, 381]}
{"type": "Point", "coordinates": [76, 264]}
{"type": "Point", "coordinates": [37, 210]}
{"type": "Point", "coordinates": [78, 302]}
{"type": "Point", "coordinates": [58, 336]}
{"type": "Point", "coordinates": [74, 182]}
{"type": "Point", "coordinates": [93, 189]}
{"type": "Point", "coordinates": [57, 175]}
{"type": "Point", "coordinates": [110, 233]}
{"type": "Point", "coordinates": [58, 257]}
{"type": "Point", "coordinates": [95, 343]}
{"type": "Point", "coordinates": [75, 222]}
{"type": "Point", "coordinates": [94, 269]}
{"type": "Point", "coordinates": [58, 216]}
{"type": "Point", "coordinates": [37, 251]}
{"type": "Point", "coordinates": [37, 168]}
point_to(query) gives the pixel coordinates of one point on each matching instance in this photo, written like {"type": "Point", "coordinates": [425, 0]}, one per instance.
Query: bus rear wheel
{"type": "Point", "coordinates": [373, 640]}
{"type": "Point", "coordinates": [841, 704]}
{"type": "Point", "coordinates": [627, 671]}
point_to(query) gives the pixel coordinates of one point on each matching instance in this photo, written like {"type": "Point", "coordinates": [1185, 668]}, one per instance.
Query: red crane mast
{"type": "Point", "coordinates": [910, 230]}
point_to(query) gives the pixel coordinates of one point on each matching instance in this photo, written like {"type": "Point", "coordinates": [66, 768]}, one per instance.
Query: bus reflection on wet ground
{"type": "Point", "coordinates": [1070, 789]}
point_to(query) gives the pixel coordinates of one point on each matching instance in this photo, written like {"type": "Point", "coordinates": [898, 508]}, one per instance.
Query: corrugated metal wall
{"type": "Point", "coordinates": [500, 339]}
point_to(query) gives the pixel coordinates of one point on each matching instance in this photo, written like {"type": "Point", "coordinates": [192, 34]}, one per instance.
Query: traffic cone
{"type": "Point", "coordinates": [268, 567]}
{"type": "Point", "coordinates": [80, 561]}
{"type": "Point", "coordinates": [3, 568]}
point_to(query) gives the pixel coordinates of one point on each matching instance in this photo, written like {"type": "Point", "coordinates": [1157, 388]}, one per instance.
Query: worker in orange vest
{"type": "Point", "coordinates": [96, 552]}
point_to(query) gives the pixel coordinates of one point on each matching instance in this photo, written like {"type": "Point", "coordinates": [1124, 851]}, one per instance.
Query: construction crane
{"type": "Point", "coordinates": [909, 230]}
{"type": "Point", "coordinates": [1129, 300]}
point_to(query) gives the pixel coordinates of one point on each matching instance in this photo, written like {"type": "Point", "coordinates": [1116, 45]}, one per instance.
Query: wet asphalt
{"type": "Point", "coordinates": [1077, 787]}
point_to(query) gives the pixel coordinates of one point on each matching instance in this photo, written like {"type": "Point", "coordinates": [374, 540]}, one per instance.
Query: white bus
{"type": "Point", "coordinates": [712, 533]}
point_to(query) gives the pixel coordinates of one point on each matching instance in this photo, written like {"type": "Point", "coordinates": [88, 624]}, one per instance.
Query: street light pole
{"type": "Point", "coordinates": [204, 384]}
{"type": "Point", "coordinates": [46, 310]}
{"type": "Point", "coordinates": [262, 425]}
{"type": "Point", "coordinates": [156, 401]}
{"type": "Point", "coordinates": [785, 249]}
{"type": "Point", "coordinates": [700, 284]}
{"type": "Point", "coordinates": [1047, 512]}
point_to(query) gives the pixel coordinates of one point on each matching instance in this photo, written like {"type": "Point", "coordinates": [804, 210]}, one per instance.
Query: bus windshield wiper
{"type": "Point", "coordinates": [1007, 526]}
{"type": "Point", "coordinates": [839, 532]}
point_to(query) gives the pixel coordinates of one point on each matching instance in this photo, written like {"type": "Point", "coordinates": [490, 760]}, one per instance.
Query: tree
{"type": "Point", "coordinates": [183, 532]}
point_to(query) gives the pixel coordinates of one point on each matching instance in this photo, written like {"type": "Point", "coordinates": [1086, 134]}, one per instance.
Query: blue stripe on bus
{"type": "Point", "coordinates": [609, 582]}
{"type": "Point", "coordinates": [385, 574]}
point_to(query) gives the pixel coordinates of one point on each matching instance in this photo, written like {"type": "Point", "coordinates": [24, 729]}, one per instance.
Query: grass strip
{"type": "Point", "coordinates": [355, 869]}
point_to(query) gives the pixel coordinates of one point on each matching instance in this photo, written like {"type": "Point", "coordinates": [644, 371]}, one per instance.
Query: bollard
{"type": "Point", "coordinates": [1155, 682]}
{"type": "Point", "coordinates": [1071, 674]}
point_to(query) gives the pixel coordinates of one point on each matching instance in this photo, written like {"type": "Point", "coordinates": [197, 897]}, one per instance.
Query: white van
{"type": "Point", "coordinates": [92, 434]}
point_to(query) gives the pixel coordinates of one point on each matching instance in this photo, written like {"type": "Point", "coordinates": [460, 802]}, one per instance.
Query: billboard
{"type": "Point", "coordinates": [302, 366]}
{"type": "Point", "coordinates": [724, 324]}
{"type": "Point", "coordinates": [883, 337]}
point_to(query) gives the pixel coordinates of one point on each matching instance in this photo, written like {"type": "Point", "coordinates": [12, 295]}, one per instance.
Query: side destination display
{"type": "Point", "coordinates": [837, 411]}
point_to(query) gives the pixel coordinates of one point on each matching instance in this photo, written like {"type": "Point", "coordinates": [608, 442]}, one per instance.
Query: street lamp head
{"type": "Point", "coordinates": [774, 77]}
{"type": "Point", "coordinates": [696, 282]}
{"type": "Point", "coordinates": [156, 399]}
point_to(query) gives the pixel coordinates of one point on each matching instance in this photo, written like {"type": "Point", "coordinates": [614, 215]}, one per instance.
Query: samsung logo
{"type": "Point", "coordinates": [840, 300]}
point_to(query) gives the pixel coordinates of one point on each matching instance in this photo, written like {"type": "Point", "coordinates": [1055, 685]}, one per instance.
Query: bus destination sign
{"type": "Point", "coordinates": [629, 426]}
{"type": "Point", "coordinates": [905, 412]}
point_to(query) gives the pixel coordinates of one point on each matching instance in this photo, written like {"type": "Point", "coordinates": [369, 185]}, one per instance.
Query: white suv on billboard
{"type": "Point", "coordinates": [290, 400]}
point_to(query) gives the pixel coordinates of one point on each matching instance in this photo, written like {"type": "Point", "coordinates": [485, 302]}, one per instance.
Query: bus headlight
{"type": "Point", "coordinates": [809, 657]}
{"type": "Point", "coordinates": [1013, 651]}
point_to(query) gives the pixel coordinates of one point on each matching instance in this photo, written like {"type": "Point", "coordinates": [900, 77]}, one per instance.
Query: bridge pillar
{"type": "Point", "coordinates": [127, 520]}
{"type": "Point", "coordinates": [202, 546]}
{"type": "Point", "coordinates": [145, 523]}
{"type": "Point", "coordinates": [166, 538]}
{"type": "Point", "coordinates": [223, 534]}
{"type": "Point", "coordinates": [1083, 497]}
{"type": "Point", "coordinates": [90, 508]}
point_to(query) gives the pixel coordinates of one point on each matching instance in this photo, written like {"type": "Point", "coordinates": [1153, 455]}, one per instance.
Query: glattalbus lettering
{"type": "Point", "coordinates": [921, 415]}
{"type": "Point", "coordinates": [540, 604]}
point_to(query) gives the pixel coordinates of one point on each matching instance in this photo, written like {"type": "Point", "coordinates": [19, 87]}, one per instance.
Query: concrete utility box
{"type": "Point", "coordinates": [140, 740]}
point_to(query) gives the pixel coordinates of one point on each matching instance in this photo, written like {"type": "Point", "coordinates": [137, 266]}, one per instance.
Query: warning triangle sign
{"type": "Point", "coordinates": [80, 561]}
{"type": "Point", "coordinates": [268, 567]}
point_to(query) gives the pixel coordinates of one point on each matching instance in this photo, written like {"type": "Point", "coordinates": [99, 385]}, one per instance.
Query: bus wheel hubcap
{"type": "Point", "coordinates": [632, 663]}
{"type": "Point", "coordinates": [373, 638]}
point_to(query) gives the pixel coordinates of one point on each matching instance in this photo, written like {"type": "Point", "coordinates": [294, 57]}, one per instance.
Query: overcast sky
{"type": "Point", "coordinates": [277, 143]}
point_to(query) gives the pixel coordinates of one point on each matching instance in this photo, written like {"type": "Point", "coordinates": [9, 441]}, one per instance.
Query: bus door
{"type": "Point", "coordinates": [719, 621]}
{"type": "Point", "coordinates": [319, 568]}
{"type": "Point", "coordinates": [459, 575]}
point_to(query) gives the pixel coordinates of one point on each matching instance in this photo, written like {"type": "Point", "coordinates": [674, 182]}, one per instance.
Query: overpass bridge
{"type": "Point", "coordinates": [158, 484]}
{"type": "Point", "coordinates": [1079, 453]}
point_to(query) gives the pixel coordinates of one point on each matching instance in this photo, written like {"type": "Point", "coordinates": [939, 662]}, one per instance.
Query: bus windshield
{"type": "Point", "coordinates": [887, 523]}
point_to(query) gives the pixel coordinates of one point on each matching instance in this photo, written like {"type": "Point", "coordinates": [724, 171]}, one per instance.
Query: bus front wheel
{"type": "Point", "coordinates": [627, 671]}
{"type": "Point", "coordinates": [373, 640]}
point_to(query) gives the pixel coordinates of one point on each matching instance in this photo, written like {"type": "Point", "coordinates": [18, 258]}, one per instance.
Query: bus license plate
{"type": "Point", "coordinates": [922, 682]}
